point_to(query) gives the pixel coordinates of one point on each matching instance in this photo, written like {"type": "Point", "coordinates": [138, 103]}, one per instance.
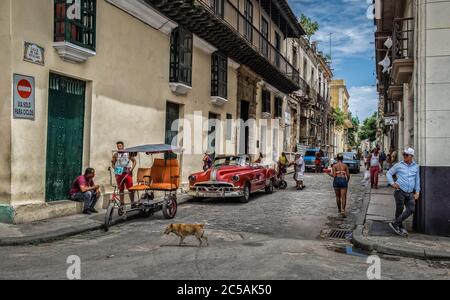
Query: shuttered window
{"type": "Point", "coordinates": [219, 75]}
{"type": "Point", "coordinates": [75, 22]}
{"type": "Point", "coordinates": [181, 44]}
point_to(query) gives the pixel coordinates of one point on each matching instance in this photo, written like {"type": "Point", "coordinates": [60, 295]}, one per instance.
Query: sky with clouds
{"type": "Point", "coordinates": [351, 46]}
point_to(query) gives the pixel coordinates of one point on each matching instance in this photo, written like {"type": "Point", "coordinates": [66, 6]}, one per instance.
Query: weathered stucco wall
{"type": "Point", "coordinates": [5, 101]}
{"type": "Point", "coordinates": [127, 90]}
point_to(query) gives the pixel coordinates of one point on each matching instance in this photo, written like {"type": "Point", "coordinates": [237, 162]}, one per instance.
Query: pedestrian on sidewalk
{"type": "Point", "coordinates": [407, 189]}
{"type": "Point", "coordinates": [392, 157]}
{"type": "Point", "coordinates": [341, 174]}
{"type": "Point", "coordinates": [374, 166]}
{"type": "Point", "coordinates": [84, 189]}
{"type": "Point", "coordinates": [383, 159]}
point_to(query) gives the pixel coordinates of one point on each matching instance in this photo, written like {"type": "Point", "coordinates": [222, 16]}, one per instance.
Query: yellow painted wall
{"type": "Point", "coordinates": [5, 100]}
{"type": "Point", "coordinates": [128, 80]}
{"type": "Point", "coordinates": [339, 89]}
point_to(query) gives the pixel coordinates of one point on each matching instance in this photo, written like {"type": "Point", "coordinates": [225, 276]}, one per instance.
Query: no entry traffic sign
{"type": "Point", "coordinates": [24, 89]}
{"type": "Point", "coordinates": [23, 101]}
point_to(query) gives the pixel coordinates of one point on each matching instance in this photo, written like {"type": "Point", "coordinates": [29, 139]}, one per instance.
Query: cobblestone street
{"type": "Point", "coordinates": [274, 236]}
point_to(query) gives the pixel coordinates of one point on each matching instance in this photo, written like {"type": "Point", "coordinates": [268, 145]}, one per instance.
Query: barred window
{"type": "Point", "coordinates": [278, 107]}
{"type": "Point", "coordinates": [266, 102]}
{"type": "Point", "coordinates": [75, 22]}
{"type": "Point", "coordinates": [219, 75]}
{"type": "Point", "coordinates": [181, 44]}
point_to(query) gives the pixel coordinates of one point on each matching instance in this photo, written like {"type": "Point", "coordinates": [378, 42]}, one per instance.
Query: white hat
{"type": "Point", "coordinates": [409, 151]}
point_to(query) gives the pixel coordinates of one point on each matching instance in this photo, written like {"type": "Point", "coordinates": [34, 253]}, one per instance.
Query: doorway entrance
{"type": "Point", "coordinates": [66, 105]}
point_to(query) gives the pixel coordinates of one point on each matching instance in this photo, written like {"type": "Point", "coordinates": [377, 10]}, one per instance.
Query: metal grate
{"type": "Point", "coordinates": [337, 234]}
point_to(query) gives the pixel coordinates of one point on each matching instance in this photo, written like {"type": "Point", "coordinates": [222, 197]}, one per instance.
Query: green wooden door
{"type": "Point", "coordinates": [64, 135]}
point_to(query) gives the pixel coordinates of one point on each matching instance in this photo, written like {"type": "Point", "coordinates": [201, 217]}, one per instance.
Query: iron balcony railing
{"type": "Point", "coordinates": [403, 38]}
{"type": "Point", "coordinates": [243, 25]}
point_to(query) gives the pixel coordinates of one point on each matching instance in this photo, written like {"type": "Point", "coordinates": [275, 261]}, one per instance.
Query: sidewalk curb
{"type": "Point", "coordinates": [63, 233]}
{"type": "Point", "coordinates": [49, 236]}
{"type": "Point", "coordinates": [360, 241]}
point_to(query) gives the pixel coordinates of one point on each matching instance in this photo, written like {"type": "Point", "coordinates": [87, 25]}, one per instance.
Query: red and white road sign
{"type": "Point", "coordinates": [24, 89]}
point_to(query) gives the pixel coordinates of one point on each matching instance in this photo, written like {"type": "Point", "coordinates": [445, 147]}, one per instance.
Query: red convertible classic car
{"type": "Point", "coordinates": [232, 177]}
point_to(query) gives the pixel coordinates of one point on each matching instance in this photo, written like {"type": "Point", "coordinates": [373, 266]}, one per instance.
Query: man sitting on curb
{"type": "Point", "coordinates": [407, 189]}
{"type": "Point", "coordinates": [84, 189]}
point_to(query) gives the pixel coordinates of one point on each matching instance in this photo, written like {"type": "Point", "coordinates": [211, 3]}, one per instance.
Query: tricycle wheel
{"type": "Point", "coordinates": [246, 197]}
{"type": "Point", "coordinates": [170, 207]}
{"type": "Point", "coordinates": [108, 217]}
{"type": "Point", "coordinates": [269, 188]}
{"type": "Point", "coordinates": [282, 185]}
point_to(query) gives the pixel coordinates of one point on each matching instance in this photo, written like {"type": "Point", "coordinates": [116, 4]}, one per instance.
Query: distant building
{"type": "Point", "coordinates": [340, 101]}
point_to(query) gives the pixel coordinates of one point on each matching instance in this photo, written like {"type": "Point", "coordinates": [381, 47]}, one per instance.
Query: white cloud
{"type": "Point", "coordinates": [363, 101]}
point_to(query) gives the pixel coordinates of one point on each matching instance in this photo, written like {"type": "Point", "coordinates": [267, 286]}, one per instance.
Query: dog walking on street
{"type": "Point", "coordinates": [185, 230]}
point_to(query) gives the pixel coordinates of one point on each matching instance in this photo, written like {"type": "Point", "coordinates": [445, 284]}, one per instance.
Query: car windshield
{"type": "Point", "coordinates": [310, 153]}
{"type": "Point", "coordinates": [230, 161]}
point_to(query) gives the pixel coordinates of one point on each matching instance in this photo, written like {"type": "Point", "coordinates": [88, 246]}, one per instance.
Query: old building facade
{"type": "Point", "coordinates": [314, 118]}
{"type": "Point", "coordinates": [414, 87]}
{"type": "Point", "coordinates": [96, 72]}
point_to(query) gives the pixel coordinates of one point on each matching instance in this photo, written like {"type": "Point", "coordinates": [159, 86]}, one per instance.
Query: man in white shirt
{"type": "Point", "coordinates": [299, 165]}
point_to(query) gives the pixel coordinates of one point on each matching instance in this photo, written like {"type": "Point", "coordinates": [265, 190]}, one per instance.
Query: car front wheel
{"type": "Point", "coordinates": [245, 198]}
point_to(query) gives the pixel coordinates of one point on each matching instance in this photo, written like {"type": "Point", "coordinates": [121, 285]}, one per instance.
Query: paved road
{"type": "Point", "coordinates": [278, 236]}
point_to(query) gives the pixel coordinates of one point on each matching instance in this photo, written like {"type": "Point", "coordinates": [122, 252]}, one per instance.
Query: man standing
{"type": "Point", "coordinates": [84, 189]}
{"type": "Point", "coordinates": [124, 164]}
{"type": "Point", "coordinates": [318, 161]}
{"type": "Point", "coordinates": [407, 189]}
{"type": "Point", "coordinates": [299, 174]}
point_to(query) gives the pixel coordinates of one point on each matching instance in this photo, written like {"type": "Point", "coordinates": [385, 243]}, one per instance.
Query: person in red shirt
{"type": "Point", "coordinates": [84, 189]}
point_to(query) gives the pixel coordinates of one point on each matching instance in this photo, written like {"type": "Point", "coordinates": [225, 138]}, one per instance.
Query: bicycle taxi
{"type": "Point", "coordinates": [162, 176]}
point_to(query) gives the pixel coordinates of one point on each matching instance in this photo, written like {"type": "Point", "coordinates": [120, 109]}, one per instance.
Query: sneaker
{"type": "Point", "coordinates": [87, 212]}
{"type": "Point", "coordinates": [396, 229]}
{"type": "Point", "coordinates": [94, 211]}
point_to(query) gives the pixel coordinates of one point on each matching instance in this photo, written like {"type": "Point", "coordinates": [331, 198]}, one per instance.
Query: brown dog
{"type": "Point", "coordinates": [184, 230]}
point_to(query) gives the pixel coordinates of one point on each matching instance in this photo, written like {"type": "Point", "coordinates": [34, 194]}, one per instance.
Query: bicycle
{"type": "Point", "coordinates": [279, 181]}
{"type": "Point", "coordinates": [114, 202]}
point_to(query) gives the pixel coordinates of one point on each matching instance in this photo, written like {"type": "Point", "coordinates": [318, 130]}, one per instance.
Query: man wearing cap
{"type": "Point", "coordinates": [407, 189]}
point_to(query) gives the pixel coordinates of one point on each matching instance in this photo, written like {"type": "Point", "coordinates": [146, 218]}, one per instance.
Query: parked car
{"type": "Point", "coordinates": [352, 161]}
{"type": "Point", "coordinates": [310, 159]}
{"type": "Point", "coordinates": [232, 177]}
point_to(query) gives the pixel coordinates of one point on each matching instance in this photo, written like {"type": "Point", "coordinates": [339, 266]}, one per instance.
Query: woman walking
{"type": "Point", "coordinates": [341, 175]}
{"type": "Point", "coordinates": [374, 166]}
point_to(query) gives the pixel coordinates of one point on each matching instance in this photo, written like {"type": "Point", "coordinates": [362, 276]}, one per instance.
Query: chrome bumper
{"type": "Point", "coordinates": [215, 192]}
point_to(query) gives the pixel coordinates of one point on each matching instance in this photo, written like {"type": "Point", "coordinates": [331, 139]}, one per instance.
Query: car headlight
{"type": "Point", "coordinates": [235, 178]}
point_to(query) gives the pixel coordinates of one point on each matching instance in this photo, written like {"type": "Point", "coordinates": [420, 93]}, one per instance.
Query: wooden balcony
{"type": "Point", "coordinates": [228, 30]}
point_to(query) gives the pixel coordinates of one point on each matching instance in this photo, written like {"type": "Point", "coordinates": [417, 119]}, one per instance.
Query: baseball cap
{"type": "Point", "coordinates": [409, 151]}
